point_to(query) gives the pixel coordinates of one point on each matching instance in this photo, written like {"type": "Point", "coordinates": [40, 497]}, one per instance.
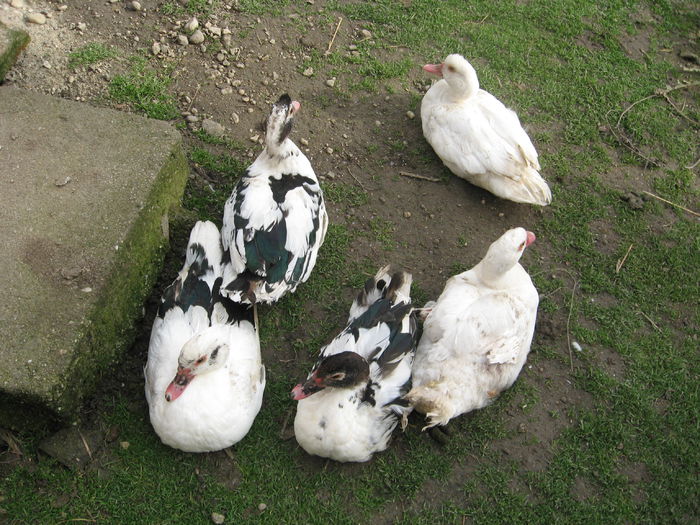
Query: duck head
{"type": "Point", "coordinates": [200, 355]}
{"type": "Point", "coordinates": [505, 252]}
{"type": "Point", "coordinates": [342, 370]}
{"type": "Point", "coordinates": [458, 73]}
{"type": "Point", "coordinates": [279, 123]}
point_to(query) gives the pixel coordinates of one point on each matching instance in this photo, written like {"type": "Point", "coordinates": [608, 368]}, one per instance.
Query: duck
{"type": "Point", "coordinates": [477, 335]}
{"type": "Point", "coordinates": [353, 398]}
{"type": "Point", "coordinates": [477, 137]}
{"type": "Point", "coordinates": [204, 378]}
{"type": "Point", "coordinates": [275, 220]}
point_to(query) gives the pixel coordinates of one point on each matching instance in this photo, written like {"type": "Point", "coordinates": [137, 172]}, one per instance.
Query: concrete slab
{"type": "Point", "coordinates": [12, 42]}
{"type": "Point", "coordinates": [85, 194]}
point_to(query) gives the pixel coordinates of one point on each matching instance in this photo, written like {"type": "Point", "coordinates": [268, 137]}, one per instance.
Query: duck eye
{"type": "Point", "coordinates": [522, 246]}
{"type": "Point", "coordinates": [339, 376]}
{"type": "Point", "coordinates": [451, 68]}
{"type": "Point", "coordinates": [200, 360]}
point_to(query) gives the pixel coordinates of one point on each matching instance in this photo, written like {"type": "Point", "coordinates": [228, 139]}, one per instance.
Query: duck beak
{"type": "Point", "coordinates": [295, 106]}
{"type": "Point", "coordinates": [178, 385]}
{"type": "Point", "coordinates": [530, 238]}
{"type": "Point", "coordinates": [435, 69]}
{"type": "Point", "coordinates": [312, 385]}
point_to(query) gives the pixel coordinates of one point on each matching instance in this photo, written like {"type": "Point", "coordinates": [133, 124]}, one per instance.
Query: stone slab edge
{"type": "Point", "coordinates": [16, 41]}
{"type": "Point", "coordinates": [112, 325]}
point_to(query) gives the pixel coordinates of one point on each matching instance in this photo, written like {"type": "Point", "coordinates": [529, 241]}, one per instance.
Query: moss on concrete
{"type": "Point", "coordinates": [12, 42]}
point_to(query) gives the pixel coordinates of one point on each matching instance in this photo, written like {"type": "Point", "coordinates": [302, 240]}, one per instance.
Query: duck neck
{"type": "Point", "coordinates": [281, 151]}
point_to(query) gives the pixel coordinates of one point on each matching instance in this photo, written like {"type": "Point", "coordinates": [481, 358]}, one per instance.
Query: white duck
{"type": "Point", "coordinates": [204, 376]}
{"type": "Point", "coordinates": [353, 398]}
{"type": "Point", "coordinates": [477, 137]}
{"type": "Point", "coordinates": [275, 220]}
{"type": "Point", "coordinates": [477, 335]}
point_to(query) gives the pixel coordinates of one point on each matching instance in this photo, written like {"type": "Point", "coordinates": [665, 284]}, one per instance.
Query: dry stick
{"type": "Point", "coordinates": [421, 177]}
{"type": "Point", "coordinates": [649, 319]}
{"type": "Point", "coordinates": [284, 425]}
{"type": "Point", "coordinates": [693, 165]}
{"type": "Point", "coordinates": [691, 120]}
{"type": "Point", "coordinates": [671, 203]}
{"type": "Point", "coordinates": [619, 264]}
{"type": "Point", "coordinates": [356, 179]}
{"type": "Point", "coordinates": [568, 321]}
{"type": "Point", "coordinates": [330, 44]}
{"type": "Point", "coordinates": [87, 448]}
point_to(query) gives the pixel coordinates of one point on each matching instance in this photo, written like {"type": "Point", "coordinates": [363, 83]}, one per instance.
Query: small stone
{"type": "Point", "coordinates": [135, 6]}
{"type": "Point", "coordinates": [46, 64]}
{"type": "Point", "coordinates": [62, 7]}
{"type": "Point", "coordinates": [352, 47]}
{"type": "Point", "coordinates": [220, 57]}
{"type": "Point", "coordinates": [197, 37]}
{"type": "Point", "coordinates": [304, 142]}
{"type": "Point", "coordinates": [215, 31]}
{"type": "Point", "coordinates": [407, 214]}
{"type": "Point", "coordinates": [192, 25]}
{"type": "Point", "coordinates": [330, 82]}
{"type": "Point", "coordinates": [240, 65]}
{"type": "Point", "coordinates": [217, 518]}
{"type": "Point", "coordinates": [330, 175]}
{"type": "Point", "coordinates": [308, 72]}
{"type": "Point", "coordinates": [522, 428]}
{"type": "Point", "coordinates": [377, 122]}
{"type": "Point", "coordinates": [124, 444]}
{"type": "Point", "coordinates": [213, 128]}
{"type": "Point", "coordinates": [36, 18]}
{"type": "Point", "coordinates": [192, 118]}
{"type": "Point", "coordinates": [236, 119]}
{"type": "Point", "coordinates": [82, 26]}
{"type": "Point", "coordinates": [182, 40]}
{"type": "Point", "coordinates": [262, 507]}
{"type": "Point", "coordinates": [576, 346]}
{"type": "Point", "coordinates": [329, 150]}
{"type": "Point", "coordinates": [366, 33]}
{"type": "Point", "coordinates": [275, 75]}
{"type": "Point", "coordinates": [254, 138]}
{"type": "Point", "coordinates": [411, 115]}
{"type": "Point", "coordinates": [241, 92]}
{"type": "Point", "coordinates": [17, 4]}
{"type": "Point", "coordinates": [87, 289]}
{"type": "Point", "coordinates": [226, 90]}
{"type": "Point", "coordinates": [155, 48]}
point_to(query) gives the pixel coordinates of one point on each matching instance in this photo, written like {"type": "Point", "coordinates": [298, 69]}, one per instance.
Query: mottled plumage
{"type": "Point", "coordinates": [478, 138]}
{"type": "Point", "coordinates": [275, 220]}
{"type": "Point", "coordinates": [353, 398]}
{"type": "Point", "coordinates": [204, 376]}
{"type": "Point", "coordinates": [477, 335]}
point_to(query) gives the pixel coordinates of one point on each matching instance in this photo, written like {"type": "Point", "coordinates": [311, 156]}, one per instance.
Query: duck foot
{"type": "Point", "coordinates": [441, 434]}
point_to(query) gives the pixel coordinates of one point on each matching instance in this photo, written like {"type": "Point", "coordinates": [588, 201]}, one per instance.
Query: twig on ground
{"type": "Point", "coordinates": [649, 319]}
{"type": "Point", "coordinates": [671, 203]}
{"type": "Point", "coordinates": [356, 179]}
{"type": "Point", "coordinates": [416, 176]}
{"type": "Point", "coordinates": [568, 322]}
{"type": "Point", "coordinates": [330, 44]}
{"type": "Point", "coordinates": [85, 444]}
{"type": "Point", "coordinates": [11, 442]}
{"type": "Point", "coordinates": [620, 262]}
{"type": "Point", "coordinates": [693, 165]}
{"type": "Point", "coordinates": [284, 425]}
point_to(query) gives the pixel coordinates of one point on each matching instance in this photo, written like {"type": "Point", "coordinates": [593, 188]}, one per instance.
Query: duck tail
{"type": "Point", "coordinates": [204, 249]}
{"type": "Point", "coordinates": [431, 402]}
{"type": "Point", "coordinates": [388, 283]}
{"type": "Point", "coordinates": [537, 189]}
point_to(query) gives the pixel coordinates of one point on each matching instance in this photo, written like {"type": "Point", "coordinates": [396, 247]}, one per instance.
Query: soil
{"type": "Point", "coordinates": [434, 224]}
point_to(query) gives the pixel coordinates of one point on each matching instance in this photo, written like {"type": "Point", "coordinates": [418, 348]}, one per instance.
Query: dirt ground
{"type": "Point", "coordinates": [364, 140]}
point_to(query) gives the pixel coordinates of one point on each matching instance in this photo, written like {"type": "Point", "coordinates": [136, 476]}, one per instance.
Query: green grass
{"type": "Point", "coordinates": [89, 54]}
{"type": "Point", "coordinates": [630, 453]}
{"type": "Point", "coordinates": [145, 90]}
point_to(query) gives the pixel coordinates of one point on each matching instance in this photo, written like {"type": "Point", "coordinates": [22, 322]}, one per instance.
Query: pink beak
{"type": "Point", "coordinates": [296, 106]}
{"type": "Point", "coordinates": [298, 392]}
{"type": "Point", "coordinates": [530, 238]}
{"type": "Point", "coordinates": [435, 69]}
{"type": "Point", "coordinates": [178, 385]}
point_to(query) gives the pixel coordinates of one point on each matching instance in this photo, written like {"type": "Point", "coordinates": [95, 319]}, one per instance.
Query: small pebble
{"type": "Point", "coordinates": [135, 6]}
{"type": "Point", "coordinates": [366, 33]}
{"type": "Point", "coordinates": [46, 64]}
{"type": "Point", "coordinates": [254, 138]}
{"type": "Point", "coordinates": [304, 142]}
{"type": "Point", "coordinates": [236, 119]}
{"type": "Point", "coordinates": [192, 118]}
{"type": "Point", "coordinates": [17, 4]}
{"type": "Point", "coordinates": [330, 82]}
{"type": "Point", "coordinates": [407, 214]}
{"type": "Point", "coordinates": [330, 175]}
{"type": "Point", "coordinates": [197, 37]}
{"type": "Point", "coordinates": [308, 72]}
{"type": "Point", "coordinates": [155, 48]}
{"type": "Point", "coordinates": [227, 90]}
{"type": "Point", "coordinates": [36, 18]}
{"type": "Point", "coordinates": [82, 26]}
{"type": "Point", "coordinates": [262, 507]}
{"type": "Point", "coordinates": [329, 150]}
{"type": "Point", "coordinates": [576, 346]}
{"type": "Point", "coordinates": [377, 122]}
{"type": "Point", "coordinates": [217, 518]}
{"type": "Point", "coordinates": [182, 40]}
{"type": "Point", "coordinates": [411, 115]}
{"type": "Point", "coordinates": [124, 444]}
